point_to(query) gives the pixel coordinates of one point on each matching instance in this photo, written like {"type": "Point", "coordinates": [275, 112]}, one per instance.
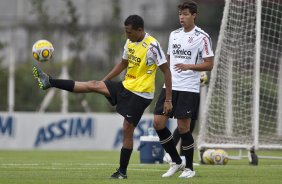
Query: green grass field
{"type": "Point", "coordinates": [96, 166]}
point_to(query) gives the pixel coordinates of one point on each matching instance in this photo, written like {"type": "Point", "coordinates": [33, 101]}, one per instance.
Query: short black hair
{"type": "Point", "coordinates": [191, 5]}
{"type": "Point", "coordinates": [135, 21]}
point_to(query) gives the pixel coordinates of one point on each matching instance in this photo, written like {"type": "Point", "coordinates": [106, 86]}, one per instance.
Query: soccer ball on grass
{"type": "Point", "coordinates": [207, 156]}
{"type": "Point", "coordinates": [42, 50]}
{"type": "Point", "coordinates": [220, 157]}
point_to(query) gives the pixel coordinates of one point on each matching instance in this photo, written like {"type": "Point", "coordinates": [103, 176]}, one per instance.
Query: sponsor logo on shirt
{"type": "Point", "coordinates": [152, 50]}
{"type": "Point", "coordinates": [180, 53]}
{"type": "Point", "coordinates": [176, 46]}
{"type": "Point", "coordinates": [131, 51]}
{"type": "Point", "coordinates": [144, 45]}
{"type": "Point", "coordinates": [130, 76]}
{"type": "Point", "coordinates": [206, 46]}
{"type": "Point", "coordinates": [190, 39]}
{"type": "Point", "coordinates": [132, 59]}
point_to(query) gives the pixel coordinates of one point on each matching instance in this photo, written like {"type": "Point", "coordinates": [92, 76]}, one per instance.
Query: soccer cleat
{"type": "Point", "coordinates": [167, 158]}
{"type": "Point", "coordinates": [42, 78]}
{"type": "Point", "coordinates": [118, 175]}
{"type": "Point", "coordinates": [173, 169]}
{"type": "Point", "coordinates": [187, 173]}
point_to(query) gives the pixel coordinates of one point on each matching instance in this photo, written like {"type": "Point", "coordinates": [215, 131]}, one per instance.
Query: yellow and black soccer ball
{"type": "Point", "coordinates": [207, 156]}
{"type": "Point", "coordinates": [42, 50]}
{"type": "Point", "coordinates": [204, 78]}
{"type": "Point", "coordinates": [220, 157]}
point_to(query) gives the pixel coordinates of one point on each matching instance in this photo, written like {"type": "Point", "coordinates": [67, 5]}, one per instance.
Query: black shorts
{"type": "Point", "coordinates": [185, 104]}
{"type": "Point", "coordinates": [128, 104]}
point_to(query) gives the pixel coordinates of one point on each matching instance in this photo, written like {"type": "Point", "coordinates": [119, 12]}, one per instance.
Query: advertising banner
{"type": "Point", "coordinates": [71, 131]}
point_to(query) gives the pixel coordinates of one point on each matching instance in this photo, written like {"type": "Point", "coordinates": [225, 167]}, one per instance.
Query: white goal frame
{"type": "Point", "coordinates": [255, 120]}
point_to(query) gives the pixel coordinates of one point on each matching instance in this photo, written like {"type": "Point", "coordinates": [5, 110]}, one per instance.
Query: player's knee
{"type": "Point", "coordinates": [128, 130]}
{"type": "Point", "coordinates": [94, 85]}
{"type": "Point", "coordinates": [183, 129]}
{"type": "Point", "coordinates": [158, 125]}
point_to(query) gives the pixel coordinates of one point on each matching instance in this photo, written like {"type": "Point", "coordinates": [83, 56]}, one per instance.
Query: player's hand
{"type": "Point", "coordinates": [167, 107]}
{"type": "Point", "coordinates": [181, 67]}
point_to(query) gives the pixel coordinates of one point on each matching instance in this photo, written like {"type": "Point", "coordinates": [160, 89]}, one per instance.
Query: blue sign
{"type": "Point", "coordinates": [6, 126]}
{"type": "Point", "coordinates": [65, 128]}
{"type": "Point", "coordinates": [140, 130]}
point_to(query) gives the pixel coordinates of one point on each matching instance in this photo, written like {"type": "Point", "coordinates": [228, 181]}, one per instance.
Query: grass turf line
{"type": "Point", "coordinates": [28, 167]}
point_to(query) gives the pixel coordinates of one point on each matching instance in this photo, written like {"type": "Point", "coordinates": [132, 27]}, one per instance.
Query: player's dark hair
{"type": "Point", "coordinates": [191, 5]}
{"type": "Point", "coordinates": [135, 21]}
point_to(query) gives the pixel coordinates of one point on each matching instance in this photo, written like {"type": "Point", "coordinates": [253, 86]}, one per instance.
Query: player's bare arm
{"type": "Point", "coordinates": [116, 70]}
{"type": "Point", "coordinates": [168, 59]}
{"type": "Point", "coordinates": [167, 75]}
{"type": "Point", "coordinates": [207, 65]}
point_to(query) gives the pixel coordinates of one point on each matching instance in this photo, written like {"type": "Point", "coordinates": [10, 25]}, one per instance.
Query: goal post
{"type": "Point", "coordinates": [279, 109]}
{"type": "Point", "coordinates": [244, 101]}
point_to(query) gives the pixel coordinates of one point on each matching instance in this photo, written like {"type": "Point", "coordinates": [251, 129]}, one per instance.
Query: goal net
{"type": "Point", "coordinates": [244, 102]}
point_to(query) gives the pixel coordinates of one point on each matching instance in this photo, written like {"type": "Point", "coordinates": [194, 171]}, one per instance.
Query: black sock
{"type": "Point", "coordinates": [181, 150]}
{"type": "Point", "coordinates": [192, 125]}
{"type": "Point", "coordinates": [188, 148]}
{"type": "Point", "coordinates": [124, 159]}
{"type": "Point", "coordinates": [167, 142]}
{"type": "Point", "coordinates": [62, 84]}
{"type": "Point", "coordinates": [176, 136]}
